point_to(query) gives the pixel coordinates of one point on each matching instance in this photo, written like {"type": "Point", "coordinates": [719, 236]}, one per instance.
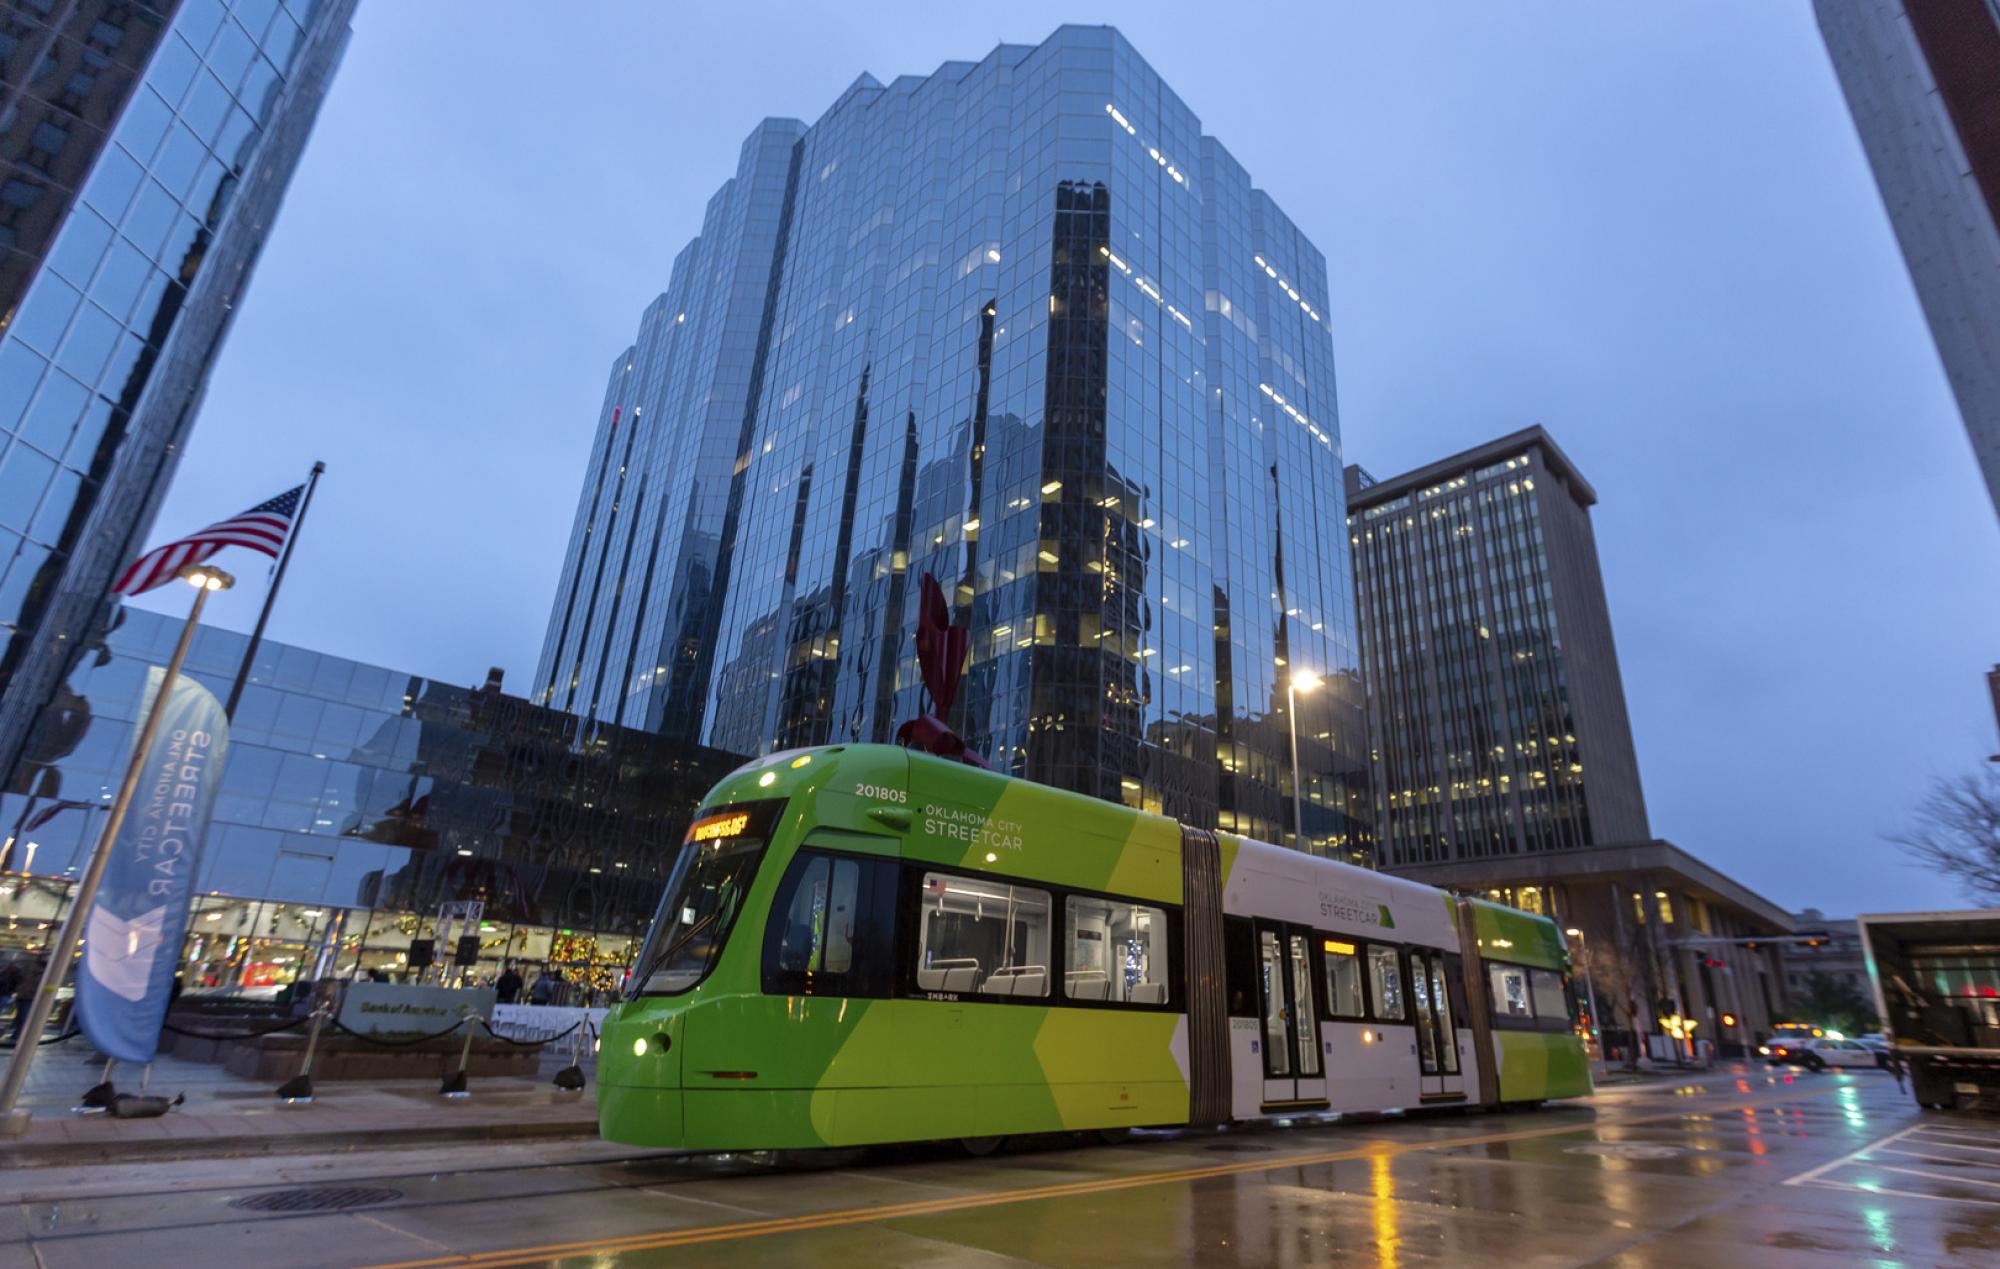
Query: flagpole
{"type": "Point", "coordinates": [271, 596]}
{"type": "Point", "coordinates": [14, 1122]}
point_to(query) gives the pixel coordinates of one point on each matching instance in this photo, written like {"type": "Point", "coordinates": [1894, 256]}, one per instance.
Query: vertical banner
{"type": "Point", "coordinates": [133, 934]}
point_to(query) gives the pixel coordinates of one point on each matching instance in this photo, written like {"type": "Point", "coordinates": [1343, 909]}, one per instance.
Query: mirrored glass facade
{"type": "Point", "coordinates": [1496, 714]}
{"type": "Point", "coordinates": [144, 148]}
{"type": "Point", "coordinates": [354, 789]}
{"type": "Point", "coordinates": [1018, 324]}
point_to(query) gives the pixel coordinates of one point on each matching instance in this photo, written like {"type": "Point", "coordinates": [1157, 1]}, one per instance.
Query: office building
{"type": "Point", "coordinates": [1021, 325]}
{"type": "Point", "coordinates": [356, 801]}
{"type": "Point", "coordinates": [1496, 716]}
{"type": "Point", "coordinates": [144, 149]}
{"type": "Point", "coordinates": [1923, 84]}
{"type": "Point", "coordinates": [1501, 752]}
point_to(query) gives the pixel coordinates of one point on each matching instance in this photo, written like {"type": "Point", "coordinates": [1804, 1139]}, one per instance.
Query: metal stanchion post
{"type": "Point", "coordinates": [454, 1083]}
{"type": "Point", "coordinates": [570, 1078]}
{"type": "Point", "coordinates": [298, 1090]}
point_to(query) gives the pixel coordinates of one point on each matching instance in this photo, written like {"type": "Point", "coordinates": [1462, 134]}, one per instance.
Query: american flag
{"type": "Point", "coordinates": [261, 528]}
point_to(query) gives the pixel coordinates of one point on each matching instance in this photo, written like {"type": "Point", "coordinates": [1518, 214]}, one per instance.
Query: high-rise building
{"type": "Point", "coordinates": [1496, 716]}
{"type": "Point", "coordinates": [1923, 84]}
{"type": "Point", "coordinates": [1501, 753]}
{"type": "Point", "coordinates": [144, 149]}
{"type": "Point", "coordinates": [1020, 325]}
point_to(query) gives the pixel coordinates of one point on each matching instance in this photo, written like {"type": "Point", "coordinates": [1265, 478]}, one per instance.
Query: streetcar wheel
{"type": "Point", "coordinates": [980, 1147]}
{"type": "Point", "coordinates": [1113, 1136]}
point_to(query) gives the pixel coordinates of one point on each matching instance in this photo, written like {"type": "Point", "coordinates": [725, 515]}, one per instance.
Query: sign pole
{"type": "Point", "coordinates": [13, 1120]}
{"type": "Point", "coordinates": [271, 596]}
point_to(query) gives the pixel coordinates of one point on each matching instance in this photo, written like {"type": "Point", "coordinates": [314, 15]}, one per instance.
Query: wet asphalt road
{"type": "Point", "coordinates": [1743, 1167]}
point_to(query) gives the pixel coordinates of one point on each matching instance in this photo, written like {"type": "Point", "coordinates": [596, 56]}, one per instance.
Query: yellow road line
{"type": "Point", "coordinates": [996, 1198]}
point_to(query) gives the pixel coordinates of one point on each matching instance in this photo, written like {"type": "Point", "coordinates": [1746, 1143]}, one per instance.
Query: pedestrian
{"type": "Point", "coordinates": [543, 989]}
{"type": "Point", "coordinates": [508, 989]}
{"type": "Point", "coordinates": [10, 981]}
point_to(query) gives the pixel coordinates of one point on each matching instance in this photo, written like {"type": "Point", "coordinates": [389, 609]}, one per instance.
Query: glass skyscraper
{"type": "Point", "coordinates": [1018, 324]}
{"type": "Point", "coordinates": [1496, 714]}
{"type": "Point", "coordinates": [144, 149]}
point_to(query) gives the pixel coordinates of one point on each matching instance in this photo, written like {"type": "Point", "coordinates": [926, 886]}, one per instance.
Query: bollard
{"type": "Point", "coordinates": [454, 1083]}
{"type": "Point", "coordinates": [570, 1078]}
{"type": "Point", "coordinates": [298, 1090]}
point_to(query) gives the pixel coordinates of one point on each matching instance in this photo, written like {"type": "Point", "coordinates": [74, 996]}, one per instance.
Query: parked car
{"type": "Point", "coordinates": [1816, 1054]}
{"type": "Point", "coordinates": [1878, 1044]}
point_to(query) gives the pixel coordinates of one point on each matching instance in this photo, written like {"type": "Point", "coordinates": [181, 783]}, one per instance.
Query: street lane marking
{"type": "Point", "coordinates": [1935, 1158]}
{"type": "Point", "coordinates": [1915, 1194]}
{"type": "Point", "coordinates": [1824, 1168]}
{"type": "Point", "coordinates": [1936, 1176]}
{"type": "Point", "coordinates": [1956, 1142]}
{"type": "Point", "coordinates": [997, 1198]}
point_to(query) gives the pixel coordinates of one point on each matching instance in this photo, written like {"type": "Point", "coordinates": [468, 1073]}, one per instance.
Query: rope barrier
{"type": "Point", "coordinates": [67, 1035]}
{"type": "Point", "coordinates": [287, 1025]}
{"type": "Point", "coordinates": [529, 1044]}
{"type": "Point", "coordinates": [338, 1025]}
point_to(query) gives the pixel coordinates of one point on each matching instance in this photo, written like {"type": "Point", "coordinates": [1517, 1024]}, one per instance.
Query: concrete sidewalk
{"type": "Point", "coordinates": [227, 1115]}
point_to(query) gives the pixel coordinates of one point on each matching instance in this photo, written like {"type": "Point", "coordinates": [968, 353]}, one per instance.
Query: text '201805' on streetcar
{"type": "Point", "coordinates": [863, 944]}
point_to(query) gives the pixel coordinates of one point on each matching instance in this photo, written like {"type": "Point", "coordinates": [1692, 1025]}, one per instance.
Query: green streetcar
{"type": "Point", "coordinates": [863, 944]}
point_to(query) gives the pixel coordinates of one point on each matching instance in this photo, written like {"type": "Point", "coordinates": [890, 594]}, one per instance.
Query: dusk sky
{"type": "Point", "coordinates": [1649, 228]}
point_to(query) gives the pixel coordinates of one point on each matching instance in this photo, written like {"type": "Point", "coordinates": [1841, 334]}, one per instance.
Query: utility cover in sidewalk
{"type": "Point", "coordinates": [317, 1198]}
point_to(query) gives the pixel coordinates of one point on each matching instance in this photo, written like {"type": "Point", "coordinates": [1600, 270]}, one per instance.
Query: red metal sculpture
{"type": "Point", "coordinates": [941, 649]}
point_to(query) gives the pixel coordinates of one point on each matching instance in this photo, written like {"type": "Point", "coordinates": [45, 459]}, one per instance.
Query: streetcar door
{"type": "Point", "coordinates": [1437, 1032]}
{"type": "Point", "coordinates": [1294, 1066]}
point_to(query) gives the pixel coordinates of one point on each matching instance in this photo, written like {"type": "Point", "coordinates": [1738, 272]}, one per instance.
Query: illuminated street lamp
{"type": "Point", "coordinates": [1589, 993]}
{"type": "Point", "coordinates": [14, 1121]}
{"type": "Point", "coordinates": [1297, 681]}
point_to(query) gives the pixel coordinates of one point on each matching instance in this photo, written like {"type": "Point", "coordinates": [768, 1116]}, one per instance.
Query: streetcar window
{"type": "Point", "coordinates": [1551, 1004]}
{"type": "Point", "coordinates": [816, 928]}
{"type": "Point", "coordinates": [1117, 951]}
{"type": "Point", "coordinates": [1510, 992]}
{"type": "Point", "coordinates": [800, 927]}
{"type": "Point", "coordinates": [984, 936]}
{"type": "Point", "coordinates": [1343, 980]}
{"type": "Point", "coordinates": [703, 894]}
{"type": "Point", "coordinates": [1385, 981]}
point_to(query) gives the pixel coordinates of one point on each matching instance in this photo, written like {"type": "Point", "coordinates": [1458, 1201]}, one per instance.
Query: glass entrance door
{"type": "Point", "coordinates": [1294, 1066]}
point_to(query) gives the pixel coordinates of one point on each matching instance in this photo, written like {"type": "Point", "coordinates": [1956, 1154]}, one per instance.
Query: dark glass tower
{"type": "Point", "coordinates": [1021, 325]}
{"type": "Point", "coordinates": [144, 149]}
{"type": "Point", "coordinates": [1496, 714]}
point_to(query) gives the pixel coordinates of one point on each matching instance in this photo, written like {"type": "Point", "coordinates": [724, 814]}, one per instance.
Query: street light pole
{"type": "Point", "coordinates": [1590, 995]}
{"type": "Point", "coordinates": [1302, 681]}
{"type": "Point", "coordinates": [13, 1120]}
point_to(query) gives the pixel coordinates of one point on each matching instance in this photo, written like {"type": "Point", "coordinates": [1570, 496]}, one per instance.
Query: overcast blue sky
{"type": "Point", "coordinates": [1648, 227]}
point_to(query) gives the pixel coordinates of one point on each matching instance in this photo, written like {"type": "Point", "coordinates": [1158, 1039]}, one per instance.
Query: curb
{"type": "Point", "coordinates": [151, 1150]}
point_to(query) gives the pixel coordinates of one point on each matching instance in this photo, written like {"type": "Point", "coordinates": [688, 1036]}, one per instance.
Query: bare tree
{"type": "Point", "coordinates": [1957, 832]}
{"type": "Point", "coordinates": [1622, 978]}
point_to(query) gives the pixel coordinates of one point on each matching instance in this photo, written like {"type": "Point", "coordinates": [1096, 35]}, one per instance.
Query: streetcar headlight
{"type": "Point", "coordinates": [639, 1047]}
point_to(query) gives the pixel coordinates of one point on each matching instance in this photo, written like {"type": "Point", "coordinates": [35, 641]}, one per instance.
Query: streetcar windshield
{"type": "Point", "coordinates": [704, 893]}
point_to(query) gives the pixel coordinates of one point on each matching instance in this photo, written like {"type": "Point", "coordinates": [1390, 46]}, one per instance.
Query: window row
{"type": "Point", "coordinates": [851, 926]}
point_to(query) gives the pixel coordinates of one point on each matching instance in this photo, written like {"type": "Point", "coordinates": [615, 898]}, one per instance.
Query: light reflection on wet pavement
{"type": "Point", "coordinates": [1727, 1168]}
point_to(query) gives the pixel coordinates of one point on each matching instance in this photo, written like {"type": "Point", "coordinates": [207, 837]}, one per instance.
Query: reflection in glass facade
{"type": "Point", "coordinates": [1496, 715]}
{"type": "Point", "coordinates": [1021, 325]}
{"type": "Point", "coordinates": [139, 175]}
{"type": "Point", "coordinates": [354, 788]}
